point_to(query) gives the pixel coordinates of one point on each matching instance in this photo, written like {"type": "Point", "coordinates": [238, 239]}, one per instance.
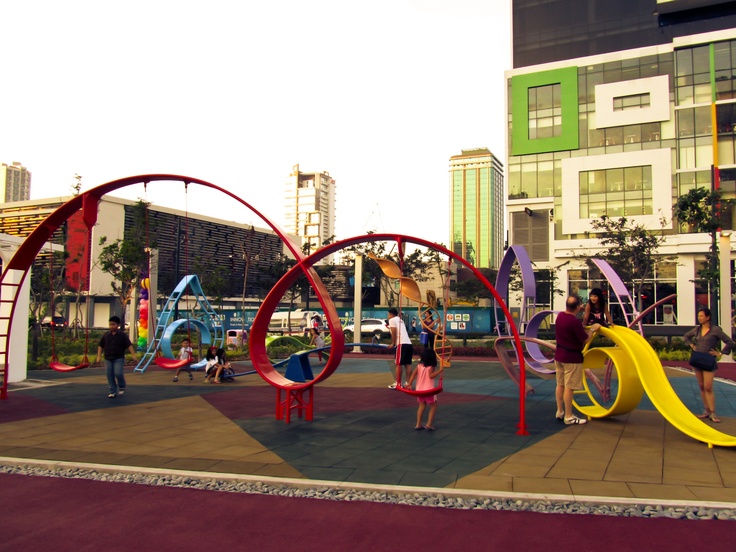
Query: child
{"type": "Point", "coordinates": [212, 367]}
{"type": "Point", "coordinates": [114, 344]}
{"type": "Point", "coordinates": [424, 374]}
{"type": "Point", "coordinates": [185, 353]}
{"type": "Point", "coordinates": [317, 341]}
{"type": "Point", "coordinates": [596, 310]}
{"type": "Point", "coordinates": [224, 371]}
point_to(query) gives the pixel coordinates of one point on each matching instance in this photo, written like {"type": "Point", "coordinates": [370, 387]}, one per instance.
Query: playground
{"type": "Point", "coordinates": [363, 434]}
{"type": "Point", "coordinates": [335, 424]}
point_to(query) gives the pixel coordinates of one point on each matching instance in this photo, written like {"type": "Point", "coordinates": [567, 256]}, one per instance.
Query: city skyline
{"type": "Point", "coordinates": [238, 94]}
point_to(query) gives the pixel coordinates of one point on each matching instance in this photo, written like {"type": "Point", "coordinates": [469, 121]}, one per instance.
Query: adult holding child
{"type": "Point", "coordinates": [703, 340]}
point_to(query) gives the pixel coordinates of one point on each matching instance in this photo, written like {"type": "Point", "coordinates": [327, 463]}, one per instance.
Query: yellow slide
{"type": "Point", "coordinates": [654, 380]}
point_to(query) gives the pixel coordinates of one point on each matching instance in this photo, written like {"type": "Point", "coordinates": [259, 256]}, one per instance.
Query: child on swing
{"type": "Point", "coordinates": [424, 375]}
{"type": "Point", "coordinates": [185, 353]}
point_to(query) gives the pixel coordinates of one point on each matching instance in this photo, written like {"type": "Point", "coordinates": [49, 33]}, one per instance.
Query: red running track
{"type": "Point", "coordinates": [45, 513]}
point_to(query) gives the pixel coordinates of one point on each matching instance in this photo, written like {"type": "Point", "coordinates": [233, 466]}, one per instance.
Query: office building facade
{"type": "Point", "coordinates": [186, 243]}
{"type": "Point", "coordinates": [477, 207]}
{"type": "Point", "coordinates": [622, 133]}
{"type": "Point", "coordinates": [15, 182]}
{"type": "Point", "coordinates": [310, 208]}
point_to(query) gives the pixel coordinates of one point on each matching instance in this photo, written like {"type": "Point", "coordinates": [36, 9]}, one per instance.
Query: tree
{"type": "Point", "coordinates": [697, 210]}
{"type": "Point", "coordinates": [470, 289]}
{"type": "Point", "coordinates": [630, 248]}
{"type": "Point", "coordinates": [126, 260]}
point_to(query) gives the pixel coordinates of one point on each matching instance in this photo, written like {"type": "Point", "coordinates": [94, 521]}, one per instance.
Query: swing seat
{"type": "Point", "coordinates": [423, 393]}
{"type": "Point", "coordinates": [171, 363]}
{"type": "Point", "coordinates": [61, 367]}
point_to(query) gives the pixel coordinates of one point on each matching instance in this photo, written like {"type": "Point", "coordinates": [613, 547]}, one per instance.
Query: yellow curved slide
{"type": "Point", "coordinates": [660, 391]}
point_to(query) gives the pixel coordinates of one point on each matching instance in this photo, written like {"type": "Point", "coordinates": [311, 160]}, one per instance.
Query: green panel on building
{"type": "Point", "coordinates": [521, 144]}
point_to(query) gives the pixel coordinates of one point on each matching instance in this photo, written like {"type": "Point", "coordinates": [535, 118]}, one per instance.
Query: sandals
{"type": "Point", "coordinates": [704, 415]}
{"type": "Point", "coordinates": [418, 428]}
{"type": "Point", "coordinates": [217, 381]}
{"type": "Point", "coordinates": [560, 416]}
{"type": "Point", "coordinates": [715, 419]}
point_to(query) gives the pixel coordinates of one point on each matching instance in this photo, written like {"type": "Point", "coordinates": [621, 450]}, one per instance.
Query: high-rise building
{"type": "Point", "coordinates": [15, 182]}
{"type": "Point", "coordinates": [616, 109]}
{"type": "Point", "coordinates": [477, 207]}
{"type": "Point", "coordinates": [310, 207]}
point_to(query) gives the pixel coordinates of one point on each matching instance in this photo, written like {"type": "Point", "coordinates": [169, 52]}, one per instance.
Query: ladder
{"type": "Point", "coordinates": [8, 292]}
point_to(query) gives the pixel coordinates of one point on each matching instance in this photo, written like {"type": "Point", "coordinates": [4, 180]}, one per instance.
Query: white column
{"type": "Point", "coordinates": [357, 301]}
{"type": "Point", "coordinates": [724, 250]}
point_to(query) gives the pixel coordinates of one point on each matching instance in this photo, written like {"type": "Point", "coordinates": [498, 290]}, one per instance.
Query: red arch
{"type": "Point", "coordinates": [259, 328]}
{"type": "Point", "coordinates": [89, 201]}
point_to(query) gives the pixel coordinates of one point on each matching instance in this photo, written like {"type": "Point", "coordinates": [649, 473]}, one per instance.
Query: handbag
{"type": "Point", "coordinates": [702, 361]}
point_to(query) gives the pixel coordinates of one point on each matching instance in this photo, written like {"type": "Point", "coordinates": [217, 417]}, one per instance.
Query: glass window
{"type": "Point", "coordinates": [545, 111]}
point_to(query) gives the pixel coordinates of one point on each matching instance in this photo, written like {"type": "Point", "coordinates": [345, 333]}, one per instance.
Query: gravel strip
{"type": "Point", "coordinates": [436, 500]}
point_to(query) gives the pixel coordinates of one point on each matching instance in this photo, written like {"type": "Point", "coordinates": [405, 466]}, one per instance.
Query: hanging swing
{"type": "Point", "coordinates": [55, 364]}
{"type": "Point", "coordinates": [409, 289]}
{"type": "Point", "coordinates": [161, 361]}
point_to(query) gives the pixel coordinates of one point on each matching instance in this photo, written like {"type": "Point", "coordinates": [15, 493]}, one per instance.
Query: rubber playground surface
{"type": "Point", "coordinates": [362, 433]}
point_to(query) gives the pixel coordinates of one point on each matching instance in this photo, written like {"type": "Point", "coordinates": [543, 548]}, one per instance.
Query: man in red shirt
{"type": "Point", "coordinates": [571, 338]}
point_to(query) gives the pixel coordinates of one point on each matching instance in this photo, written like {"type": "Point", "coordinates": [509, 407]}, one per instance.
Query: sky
{"type": "Point", "coordinates": [236, 92]}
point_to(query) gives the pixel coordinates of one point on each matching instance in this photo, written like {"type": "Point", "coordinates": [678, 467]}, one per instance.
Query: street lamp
{"type": "Point", "coordinates": [247, 259]}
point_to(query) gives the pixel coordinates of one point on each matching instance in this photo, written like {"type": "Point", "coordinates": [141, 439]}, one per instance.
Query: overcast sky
{"type": "Point", "coordinates": [380, 94]}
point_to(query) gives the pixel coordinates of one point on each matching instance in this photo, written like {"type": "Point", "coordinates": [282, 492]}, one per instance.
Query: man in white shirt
{"type": "Point", "coordinates": [404, 349]}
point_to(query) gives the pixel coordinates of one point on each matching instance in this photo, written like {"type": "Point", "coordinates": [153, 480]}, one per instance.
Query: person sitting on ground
{"type": "Point", "coordinates": [185, 353]}
{"type": "Point", "coordinates": [424, 375]}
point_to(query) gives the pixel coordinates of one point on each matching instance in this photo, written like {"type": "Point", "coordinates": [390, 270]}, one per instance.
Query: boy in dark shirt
{"type": "Point", "coordinates": [113, 344]}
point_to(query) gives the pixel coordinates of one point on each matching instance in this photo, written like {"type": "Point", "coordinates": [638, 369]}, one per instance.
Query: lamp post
{"type": "Point", "coordinates": [246, 258]}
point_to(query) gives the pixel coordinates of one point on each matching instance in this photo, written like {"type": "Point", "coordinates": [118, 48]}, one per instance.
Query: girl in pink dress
{"type": "Point", "coordinates": [424, 375]}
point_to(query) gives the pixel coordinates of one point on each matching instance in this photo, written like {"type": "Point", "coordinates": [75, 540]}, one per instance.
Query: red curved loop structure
{"type": "Point", "coordinates": [295, 391]}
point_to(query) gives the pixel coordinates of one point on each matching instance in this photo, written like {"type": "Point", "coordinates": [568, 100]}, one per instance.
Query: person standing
{"type": "Point", "coordinates": [114, 344]}
{"type": "Point", "coordinates": [424, 374]}
{"type": "Point", "coordinates": [431, 326]}
{"type": "Point", "coordinates": [571, 338]}
{"type": "Point", "coordinates": [404, 349]}
{"type": "Point", "coordinates": [704, 338]}
{"type": "Point", "coordinates": [317, 342]}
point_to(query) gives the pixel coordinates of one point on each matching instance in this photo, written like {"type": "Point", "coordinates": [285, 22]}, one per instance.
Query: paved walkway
{"type": "Point", "coordinates": [362, 433]}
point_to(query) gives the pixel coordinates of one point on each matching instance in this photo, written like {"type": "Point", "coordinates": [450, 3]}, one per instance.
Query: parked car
{"type": "Point", "coordinates": [56, 322]}
{"type": "Point", "coordinates": [373, 326]}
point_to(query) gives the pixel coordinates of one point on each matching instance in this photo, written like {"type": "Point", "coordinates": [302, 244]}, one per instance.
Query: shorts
{"type": "Point", "coordinates": [432, 399]}
{"type": "Point", "coordinates": [404, 354]}
{"type": "Point", "coordinates": [569, 375]}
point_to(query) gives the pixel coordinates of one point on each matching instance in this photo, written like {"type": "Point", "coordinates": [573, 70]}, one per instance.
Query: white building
{"type": "Point", "coordinates": [310, 207]}
{"type": "Point", "coordinates": [15, 182]}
